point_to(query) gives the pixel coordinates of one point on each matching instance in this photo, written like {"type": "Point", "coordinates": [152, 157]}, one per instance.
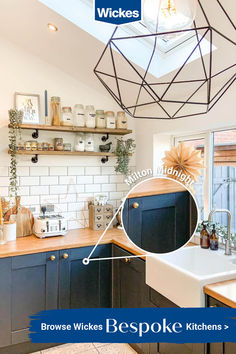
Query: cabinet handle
{"type": "Point", "coordinates": [135, 205]}
{"type": "Point", "coordinates": [127, 260]}
{"type": "Point", "coordinates": [65, 255]}
{"type": "Point", "coordinates": [52, 257]}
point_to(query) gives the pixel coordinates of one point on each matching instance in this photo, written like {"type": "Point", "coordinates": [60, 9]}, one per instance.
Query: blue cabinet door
{"type": "Point", "coordinates": [29, 284]}
{"type": "Point", "coordinates": [85, 286]}
{"type": "Point", "coordinates": [161, 223]}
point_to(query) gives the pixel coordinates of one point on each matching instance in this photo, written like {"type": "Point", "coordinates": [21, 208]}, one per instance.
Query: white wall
{"type": "Point", "coordinates": [68, 184]}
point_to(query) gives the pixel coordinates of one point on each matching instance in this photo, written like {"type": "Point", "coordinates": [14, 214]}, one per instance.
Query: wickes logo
{"type": "Point", "coordinates": [118, 12]}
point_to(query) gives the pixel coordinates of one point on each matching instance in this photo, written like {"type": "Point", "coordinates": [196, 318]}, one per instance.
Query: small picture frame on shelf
{"type": "Point", "coordinates": [30, 105]}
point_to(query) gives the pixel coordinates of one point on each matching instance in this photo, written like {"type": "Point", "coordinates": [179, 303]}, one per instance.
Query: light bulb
{"type": "Point", "coordinates": [169, 15]}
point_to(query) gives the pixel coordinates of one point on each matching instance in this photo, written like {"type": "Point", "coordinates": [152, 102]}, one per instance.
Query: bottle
{"type": "Point", "coordinates": [110, 120]}
{"type": "Point", "coordinates": [90, 117]}
{"type": "Point", "coordinates": [66, 116]}
{"type": "Point", "coordinates": [89, 142]}
{"type": "Point", "coordinates": [121, 120]}
{"type": "Point", "coordinates": [56, 110]}
{"type": "Point", "coordinates": [204, 237]}
{"type": "Point", "coordinates": [214, 244]}
{"type": "Point", "coordinates": [80, 142]}
{"type": "Point", "coordinates": [100, 119]}
{"type": "Point", "coordinates": [79, 117]}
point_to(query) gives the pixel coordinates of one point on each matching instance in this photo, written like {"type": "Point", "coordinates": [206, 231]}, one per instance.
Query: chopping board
{"type": "Point", "coordinates": [23, 217]}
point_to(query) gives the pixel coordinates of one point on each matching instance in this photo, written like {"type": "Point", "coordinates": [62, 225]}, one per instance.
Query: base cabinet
{"type": "Point", "coordinates": [131, 290]}
{"type": "Point", "coordinates": [50, 280]}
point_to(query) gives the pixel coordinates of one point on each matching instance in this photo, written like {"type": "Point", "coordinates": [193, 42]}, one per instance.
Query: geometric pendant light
{"type": "Point", "coordinates": [179, 64]}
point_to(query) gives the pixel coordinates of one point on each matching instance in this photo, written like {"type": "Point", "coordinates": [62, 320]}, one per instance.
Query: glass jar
{"type": "Point", "coordinates": [50, 147]}
{"type": "Point", "coordinates": [100, 119]}
{"type": "Point", "coordinates": [34, 145]}
{"type": "Point", "coordinates": [56, 109]}
{"type": "Point", "coordinates": [27, 145]}
{"type": "Point", "coordinates": [121, 120]}
{"type": "Point", "coordinates": [67, 117]}
{"type": "Point", "coordinates": [67, 147]}
{"type": "Point", "coordinates": [90, 117]}
{"type": "Point", "coordinates": [79, 142]}
{"type": "Point", "coordinates": [45, 146]}
{"type": "Point", "coordinates": [79, 117]}
{"type": "Point", "coordinates": [110, 120]}
{"type": "Point", "coordinates": [40, 146]}
{"type": "Point", "coordinates": [58, 144]}
{"type": "Point", "coordinates": [89, 142]}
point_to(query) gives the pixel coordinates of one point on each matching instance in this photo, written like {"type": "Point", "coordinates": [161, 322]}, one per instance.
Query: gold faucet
{"type": "Point", "coordinates": [228, 240]}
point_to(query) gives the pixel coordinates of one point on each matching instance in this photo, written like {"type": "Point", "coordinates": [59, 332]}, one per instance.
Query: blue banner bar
{"type": "Point", "coordinates": [142, 325]}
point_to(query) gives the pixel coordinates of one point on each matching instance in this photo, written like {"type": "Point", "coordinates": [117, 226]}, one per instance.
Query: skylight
{"type": "Point", "coordinates": [170, 51]}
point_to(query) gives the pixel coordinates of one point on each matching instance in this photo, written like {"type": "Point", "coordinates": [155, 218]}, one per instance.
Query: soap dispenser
{"type": "Point", "coordinates": [214, 244]}
{"type": "Point", "coordinates": [204, 237]}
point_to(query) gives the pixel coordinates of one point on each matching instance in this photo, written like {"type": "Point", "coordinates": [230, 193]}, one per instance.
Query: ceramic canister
{"type": "Point", "coordinates": [9, 231]}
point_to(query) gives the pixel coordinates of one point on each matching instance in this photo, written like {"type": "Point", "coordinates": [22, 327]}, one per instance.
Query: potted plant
{"type": "Point", "coordinates": [123, 150]}
{"type": "Point", "coordinates": [15, 118]}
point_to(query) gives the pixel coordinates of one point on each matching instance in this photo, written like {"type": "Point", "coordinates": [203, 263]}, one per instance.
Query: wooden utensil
{"type": "Point", "coordinates": [24, 219]}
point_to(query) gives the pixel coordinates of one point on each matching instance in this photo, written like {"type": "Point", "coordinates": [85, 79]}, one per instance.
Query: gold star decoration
{"type": "Point", "coordinates": [184, 159]}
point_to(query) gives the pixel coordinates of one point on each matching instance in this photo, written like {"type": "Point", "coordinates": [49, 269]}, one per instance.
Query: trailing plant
{"type": "Point", "coordinates": [122, 151]}
{"type": "Point", "coordinates": [15, 118]}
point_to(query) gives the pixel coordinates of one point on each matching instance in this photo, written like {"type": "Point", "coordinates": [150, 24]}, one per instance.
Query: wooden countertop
{"type": "Point", "coordinates": [224, 291]}
{"type": "Point", "coordinates": [73, 239]}
{"type": "Point", "coordinates": [156, 186]}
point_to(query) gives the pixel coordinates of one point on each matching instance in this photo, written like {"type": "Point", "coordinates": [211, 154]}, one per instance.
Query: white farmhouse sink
{"type": "Point", "coordinates": [181, 275]}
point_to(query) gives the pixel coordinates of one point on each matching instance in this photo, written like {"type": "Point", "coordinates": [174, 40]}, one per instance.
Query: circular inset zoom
{"type": "Point", "coordinates": [160, 215]}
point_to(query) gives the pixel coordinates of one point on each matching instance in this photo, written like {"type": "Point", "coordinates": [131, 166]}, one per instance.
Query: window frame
{"type": "Point", "coordinates": [208, 163]}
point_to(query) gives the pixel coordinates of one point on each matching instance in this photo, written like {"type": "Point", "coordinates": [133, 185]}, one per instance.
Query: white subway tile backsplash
{"type": "Point", "coordinates": [24, 191]}
{"type": "Point", "coordinates": [116, 179]}
{"type": "Point", "coordinates": [39, 171]}
{"type": "Point", "coordinates": [93, 188]}
{"type": "Point", "coordinates": [100, 179]}
{"type": "Point", "coordinates": [3, 171]}
{"type": "Point", "coordinates": [58, 189]}
{"type": "Point", "coordinates": [107, 170]}
{"type": "Point", "coordinates": [61, 208]}
{"type": "Point", "coordinates": [83, 214]}
{"type": "Point", "coordinates": [67, 180]}
{"type": "Point", "coordinates": [75, 171]}
{"type": "Point", "coordinates": [49, 199]}
{"type": "Point", "coordinates": [123, 187]}
{"type": "Point", "coordinates": [67, 198]}
{"type": "Point", "coordinates": [84, 179]}
{"type": "Point", "coordinates": [28, 181]}
{"type": "Point", "coordinates": [22, 171]}
{"type": "Point", "coordinates": [48, 180]}
{"type": "Point", "coordinates": [75, 206]}
{"type": "Point", "coordinates": [92, 170]}
{"type": "Point", "coordinates": [29, 200]}
{"type": "Point", "coordinates": [39, 190]}
{"type": "Point", "coordinates": [109, 187]}
{"type": "Point", "coordinates": [116, 195]}
{"type": "Point", "coordinates": [4, 181]}
{"type": "Point", "coordinates": [84, 197]}
{"type": "Point", "coordinates": [4, 191]}
{"type": "Point", "coordinates": [58, 171]}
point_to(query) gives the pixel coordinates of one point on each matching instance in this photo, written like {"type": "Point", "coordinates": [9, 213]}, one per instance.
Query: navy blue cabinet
{"type": "Point", "coordinates": [29, 284]}
{"type": "Point", "coordinates": [160, 223]}
{"type": "Point", "coordinates": [83, 286]}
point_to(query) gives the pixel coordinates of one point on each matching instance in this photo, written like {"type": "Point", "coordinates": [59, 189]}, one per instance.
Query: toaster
{"type": "Point", "coordinates": [47, 226]}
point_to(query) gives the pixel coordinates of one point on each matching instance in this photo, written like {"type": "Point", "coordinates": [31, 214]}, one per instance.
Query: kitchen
{"type": "Point", "coordinates": [46, 54]}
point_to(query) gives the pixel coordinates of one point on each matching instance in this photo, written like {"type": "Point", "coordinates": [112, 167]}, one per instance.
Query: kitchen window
{"type": "Point", "coordinates": [216, 187]}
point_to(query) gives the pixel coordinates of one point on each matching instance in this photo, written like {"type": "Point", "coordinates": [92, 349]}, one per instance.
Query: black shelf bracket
{"type": "Point", "coordinates": [35, 134]}
{"type": "Point", "coordinates": [35, 158]}
{"type": "Point", "coordinates": [105, 159]}
{"type": "Point", "coordinates": [105, 137]}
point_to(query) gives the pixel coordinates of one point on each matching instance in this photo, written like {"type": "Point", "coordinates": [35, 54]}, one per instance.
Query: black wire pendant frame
{"type": "Point", "coordinates": [152, 94]}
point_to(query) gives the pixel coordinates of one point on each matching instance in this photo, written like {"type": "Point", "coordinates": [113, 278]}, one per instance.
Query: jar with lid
{"type": "Point", "coordinates": [79, 142]}
{"type": "Point", "coordinates": [34, 145]}
{"type": "Point", "coordinates": [67, 147]}
{"type": "Point", "coordinates": [110, 120]}
{"type": "Point", "coordinates": [79, 117]}
{"type": "Point", "coordinates": [89, 142]}
{"type": "Point", "coordinates": [56, 109]}
{"type": "Point", "coordinates": [100, 119]}
{"type": "Point", "coordinates": [28, 145]}
{"type": "Point", "coordinates": [90, 117]}
{"type": "Point", "coordinates": [121, 120]}
{"type": "Point", "coordinates": [67, 117]}
{"type": "Point", "coordinates": [58, 144]}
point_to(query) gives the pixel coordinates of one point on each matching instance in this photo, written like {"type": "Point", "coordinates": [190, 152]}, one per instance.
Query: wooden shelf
{"type": "Point", "coordinates": [62, 128]}
{"type": "Point", "coordinates": [71, 153]}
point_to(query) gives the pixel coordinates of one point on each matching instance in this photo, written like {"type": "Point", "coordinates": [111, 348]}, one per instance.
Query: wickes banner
{"type": "Point", "coordinates": [118, 12]}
